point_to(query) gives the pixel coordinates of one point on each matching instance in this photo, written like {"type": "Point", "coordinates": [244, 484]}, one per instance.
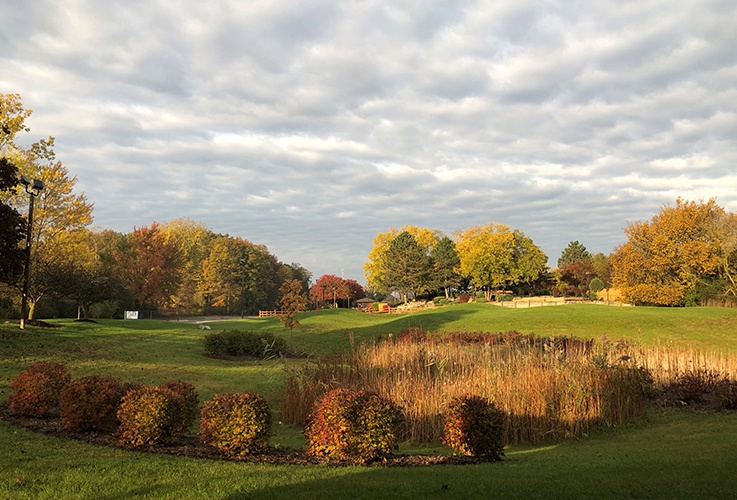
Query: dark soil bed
{"type": "Point", "coordinates": [191, 447]}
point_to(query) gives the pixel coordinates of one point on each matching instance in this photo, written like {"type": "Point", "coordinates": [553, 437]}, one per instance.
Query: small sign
{"type": "Point", "coordinates": [131, 315]}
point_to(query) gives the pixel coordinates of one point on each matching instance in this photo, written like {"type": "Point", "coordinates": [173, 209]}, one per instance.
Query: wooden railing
{"type": "Point", "coordinates": [269, 314]}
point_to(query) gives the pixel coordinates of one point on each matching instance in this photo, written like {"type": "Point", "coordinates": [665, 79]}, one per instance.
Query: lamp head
{"type": "Point", "coordinates": [24, 181]}
{"type": "Point", "coordinates": [38, 185]}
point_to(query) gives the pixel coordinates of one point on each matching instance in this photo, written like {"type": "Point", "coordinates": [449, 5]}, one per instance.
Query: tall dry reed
{"type": "Point", "coordinates": [549, 388]}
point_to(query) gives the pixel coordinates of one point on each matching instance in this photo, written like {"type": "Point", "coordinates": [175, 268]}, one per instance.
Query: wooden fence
{"type": "Point", "coordinates": [269, 314]}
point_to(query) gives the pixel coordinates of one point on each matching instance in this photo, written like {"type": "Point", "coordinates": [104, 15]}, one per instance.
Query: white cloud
{"type": "Point", "coordinates": [310, 127]}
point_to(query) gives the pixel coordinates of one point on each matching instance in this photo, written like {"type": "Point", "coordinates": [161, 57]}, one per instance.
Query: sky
{"type": "Point", "coordinates": [312, 126]}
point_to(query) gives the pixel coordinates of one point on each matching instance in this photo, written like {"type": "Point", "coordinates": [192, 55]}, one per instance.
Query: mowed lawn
{"type": "Point", "coordinates": [668, 454]}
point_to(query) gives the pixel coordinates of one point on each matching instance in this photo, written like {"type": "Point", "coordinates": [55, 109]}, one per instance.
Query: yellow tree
{"type": "Point", "coordinates": [60, 219]}
{"type": "Point", "coordinates": [375, 269]}
{"type": "Point", "coordinates": [486, 254]}
{"type": "Point", "coordinates": [669, 255]}
{"type": "Point", "coordinates": [193, 240]}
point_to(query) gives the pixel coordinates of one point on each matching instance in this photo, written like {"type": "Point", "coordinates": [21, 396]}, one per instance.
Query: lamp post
{"type": "Point", "coordinates": [33, 189]}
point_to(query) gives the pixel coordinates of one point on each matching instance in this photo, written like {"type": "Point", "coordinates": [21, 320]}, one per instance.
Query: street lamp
{"type": "Point", "coordinates": [33, 189]}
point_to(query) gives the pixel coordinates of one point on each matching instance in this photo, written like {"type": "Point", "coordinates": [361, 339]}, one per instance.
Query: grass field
{"type": "Point", "coordinates": [668, 454]}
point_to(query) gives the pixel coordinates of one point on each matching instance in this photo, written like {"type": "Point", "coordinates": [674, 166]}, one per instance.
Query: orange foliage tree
{"type": "Point", "coordinates": [670, 254]}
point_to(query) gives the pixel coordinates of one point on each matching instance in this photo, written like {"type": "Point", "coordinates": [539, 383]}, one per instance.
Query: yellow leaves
{"type": "Point", "coordinates": [669, 254]}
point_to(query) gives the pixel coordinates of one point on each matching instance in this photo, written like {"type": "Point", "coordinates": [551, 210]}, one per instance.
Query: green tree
{"type": "Point", "coordinates": [574, 252]}
{"type": "Point", "coordinates": [446, 265]}
{"type": "Point", "coordinates": [375, 269]}
{"type": "Point", "coordinates": [12, 228]}
{"type": "Point", "coordinates": [407, 266]}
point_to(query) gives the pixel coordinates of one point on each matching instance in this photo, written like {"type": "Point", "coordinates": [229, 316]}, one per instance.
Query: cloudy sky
{"type": "Point", "coordinates": [311, 126]}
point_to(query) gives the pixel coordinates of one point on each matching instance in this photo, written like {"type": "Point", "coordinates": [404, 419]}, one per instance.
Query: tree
{"type": "Point", "coordinates": [574, 252]}
{"type": "Point", "coordinates": [446, 265]}
{"type": "Point", "coordinates": [292, 301]}
{"type": "Point", "coordinates": [329, 288]}
{"type": "Point", "coordinates": [486, 256]}
{"type": "Point", "coordinates": [407, 266]}
{"type": "Point", "coordinates": [375, 268]}
{"type": "Point", "coordinates": [529, 262]}
{"type": "Point", "coordinates": [238, 275]}
{"type": "Point", "coordinates": [60, 220]}
{"type": "Point", "coordinates": [150, 266]}
{"type": "Point", "coordinates": [671, 254]}
{"type": "Point", "coordinates": [193, 240]}
{"type": "Point", "coordinates": [12, 228]}
{"type": "Point", "coordinates": [494, 257]}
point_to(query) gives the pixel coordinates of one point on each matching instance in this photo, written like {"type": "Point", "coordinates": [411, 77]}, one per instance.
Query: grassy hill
{"type": "Point", "coordinates": [670, 453]}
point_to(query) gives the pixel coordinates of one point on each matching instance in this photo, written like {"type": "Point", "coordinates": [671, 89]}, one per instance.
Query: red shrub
{"type": "Point", "coordinates": [36, 390]}
{"type": "Point", "coordinates": [91, 403]}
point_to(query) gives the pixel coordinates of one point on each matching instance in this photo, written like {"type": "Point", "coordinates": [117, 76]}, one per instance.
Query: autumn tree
{"type": "Point", "coordinates": [330, 288]}
{"type": "Point", "coordinates": [671, 254]}
{"type": "Point", "coordinates": [193, 240]}
{"type": "Point", "coordinates": [238, 275]}
{"type": "Point", "coordinates": [150, 266]}
{"type": "Point", "coordinates": [446, 265]}
{"type": "Point", "coordinates": [60, 220]}
{"type": "Point", "coordinates": [494, 257]}
{"type": "Point", "coordinates": [292, 301]}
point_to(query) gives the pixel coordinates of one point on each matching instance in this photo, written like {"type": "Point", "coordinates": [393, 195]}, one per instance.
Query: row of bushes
{"type": "Point", "coordinates": [358, 426]}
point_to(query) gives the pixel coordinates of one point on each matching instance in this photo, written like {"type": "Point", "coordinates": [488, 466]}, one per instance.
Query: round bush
{"type": "Point", "coordinates": [91, 403]}
{"type": "Point", "coordinates": [360, 426]}
{"type": "Point", "coordinates": [148, 416]}
{"type": "Point", "coordinates": [188, 405]}
{"type": "Point", "coordinates": [36, 390]}
{"type": "Point", "coordinates": [475, 427]}
{"type": "Point", "coordinates": [238, 424]}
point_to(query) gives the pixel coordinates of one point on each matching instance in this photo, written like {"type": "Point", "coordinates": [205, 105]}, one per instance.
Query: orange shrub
{"type": "Point", "coordinates": [474, 426]}
{"type": "Point", "coordinates": [238, 424]}
{"type": "Point", "coordinates": [353, 425]}
{"type": "Point", "coordinates": [148, 416]}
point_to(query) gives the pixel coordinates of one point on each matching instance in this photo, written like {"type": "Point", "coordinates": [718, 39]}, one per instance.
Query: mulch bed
{"type": "Point", "coordinates": [189, 446]}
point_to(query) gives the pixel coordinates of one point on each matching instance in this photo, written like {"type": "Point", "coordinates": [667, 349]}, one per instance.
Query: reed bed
{"type": "Point", "coordinates": [549, 388]}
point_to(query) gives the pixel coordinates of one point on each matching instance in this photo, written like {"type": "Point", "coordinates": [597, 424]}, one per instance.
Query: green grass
{"type": "Point", "coordinates": [670, 454]}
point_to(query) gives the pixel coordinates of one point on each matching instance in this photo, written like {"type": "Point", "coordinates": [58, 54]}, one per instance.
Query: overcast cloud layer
{"type": "Point", "coordinates": [311, 126]}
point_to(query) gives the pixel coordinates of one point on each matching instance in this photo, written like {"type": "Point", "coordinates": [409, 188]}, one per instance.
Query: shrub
{"type": "Point", "coordinates": [91, 403]}
{"type": "Point", "coordinates": [241, 343]}
{"type": "Point", "coordinates": [237, 424]}
{"type": "Point", "coordinates": [36, 390]}
{"type": "Point", "coordinates": [464, 297]}
{"type": "Point", "coordinates": [148, 416]}
{"type": "Point", "coordinates": [188, 404]}
{"type": "Point", "coordinates": [692, 386]}
{"type": "Point", "coordinates": [348, 425]}
{"type": "Point", "coordinates": [474, 426]}
{"type": "Point", "coordinates": [440, 301]}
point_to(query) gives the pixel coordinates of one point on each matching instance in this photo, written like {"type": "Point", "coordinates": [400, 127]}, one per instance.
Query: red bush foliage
{"type": "Point", "coordinates": [91, 403]}
{"type": "Point", "coordinates": [36, 390]}
{"type": "Point", "coordinates": [474, 426]}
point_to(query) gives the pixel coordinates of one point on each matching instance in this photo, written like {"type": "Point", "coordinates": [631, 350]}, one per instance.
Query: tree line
{"type": "Point", "coordinates": [179, 266]}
